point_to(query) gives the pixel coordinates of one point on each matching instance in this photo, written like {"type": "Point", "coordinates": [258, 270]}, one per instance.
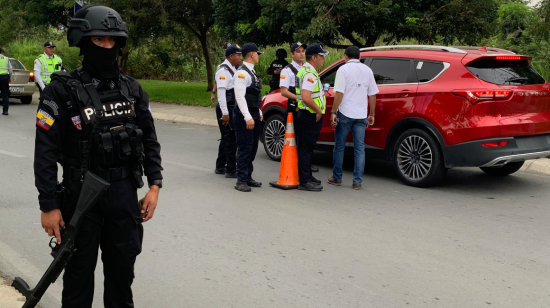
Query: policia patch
{"type": "Point", "coordinates": [111, 111]}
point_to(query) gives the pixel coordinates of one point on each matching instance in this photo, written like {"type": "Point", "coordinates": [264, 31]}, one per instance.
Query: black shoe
{"type": "Point", "coordinates": [219, 171]}
{"type": "Point", "coordinates": [310, 186]}
{"type": "Point", "coordinates": [315, 181]}
{"type": "Point", "coordinates": [253, 183]}
{"type": "Point", "coordinates": [5, 113]}
{"type": "Point", "coordinates": [231, 175]}
{"type": "Point", "coordinates": [242, 186]}
{"type": "Point", "coordinates": [314, 169]}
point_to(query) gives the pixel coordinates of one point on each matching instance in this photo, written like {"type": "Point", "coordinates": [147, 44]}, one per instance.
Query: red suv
{"type": "Point", "coordinates": [441, 107]}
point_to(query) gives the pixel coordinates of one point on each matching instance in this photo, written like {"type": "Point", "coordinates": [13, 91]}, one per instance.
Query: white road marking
{"type": "Point", "coordinates": [11, 154]}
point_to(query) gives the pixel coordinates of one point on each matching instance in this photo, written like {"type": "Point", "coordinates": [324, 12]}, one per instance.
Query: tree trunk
{"type": "Point", "coordinates": [207, 59]}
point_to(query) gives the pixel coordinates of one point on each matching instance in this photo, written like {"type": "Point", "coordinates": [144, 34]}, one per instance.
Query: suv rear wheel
{"type": "Point", "coordinates": [417, 159]}
{"type": "Point", "coordinates": [274, 136]}
{"type": "Point", "coordinates": [503, 170]}
{"type": "Point", "coordinates": [26, 99]}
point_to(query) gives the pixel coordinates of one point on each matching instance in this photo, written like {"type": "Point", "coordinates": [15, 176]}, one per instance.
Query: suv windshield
{"type": "Point", "coordinates": [505, 72]}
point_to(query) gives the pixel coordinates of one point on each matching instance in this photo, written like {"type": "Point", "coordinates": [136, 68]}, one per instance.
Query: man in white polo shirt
{"type": "Point", "coordinates": [354, 83]}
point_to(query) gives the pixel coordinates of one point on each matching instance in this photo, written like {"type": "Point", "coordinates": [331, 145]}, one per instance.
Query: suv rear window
{"type": "Point", "coordinates": [390, 71]}
{"type": "Point", "coordinates": [505, 72]}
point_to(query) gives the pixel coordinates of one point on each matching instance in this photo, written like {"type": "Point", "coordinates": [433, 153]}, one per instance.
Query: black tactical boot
{"type": "Point", "coordinates": [253, 183]}
{"type": "Point", "coordinates": [314, 180]}
{"type": "Point", "coordinates": [242, 186]}
{"type": "Point", "coordinates": [219, 171]}
{"type": "Point", "coordinates": [310, 186]}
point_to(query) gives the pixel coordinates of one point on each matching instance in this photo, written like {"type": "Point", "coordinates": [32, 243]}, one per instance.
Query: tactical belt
{"type": "Point", "coordinates": [73, 173]}
{"type": "Point", "coordinates": [112, 174]}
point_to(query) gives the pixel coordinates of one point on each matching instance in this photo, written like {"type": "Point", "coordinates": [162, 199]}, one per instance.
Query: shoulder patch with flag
{"type": "Point", "coordinates": [241, 76]}
{"type": "Point", "coordinates": [310, 79]}
{"type": "Point", "coordinates": [44, 120]}
{"type": "Point", "coordinates": [283, 76]}
{"type": "Point", "coordinates": [222, 77]}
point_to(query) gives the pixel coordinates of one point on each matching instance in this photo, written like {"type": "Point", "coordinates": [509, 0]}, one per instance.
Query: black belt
{"type": "Point", "coordinates": [108, 174]}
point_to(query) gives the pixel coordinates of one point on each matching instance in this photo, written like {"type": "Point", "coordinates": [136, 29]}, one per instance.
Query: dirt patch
{"type": "Point", "coordinates": [9, 297]}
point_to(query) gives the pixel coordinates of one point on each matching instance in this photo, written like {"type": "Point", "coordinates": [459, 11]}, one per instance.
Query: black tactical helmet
{"type": "Point", "coordinates": [280, 53]}
{"type": "Point", "coordinates": [95, 20]}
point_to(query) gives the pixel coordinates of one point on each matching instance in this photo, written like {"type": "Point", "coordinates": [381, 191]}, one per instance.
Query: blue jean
{"type": "Point", "coordinates": [357, 127]}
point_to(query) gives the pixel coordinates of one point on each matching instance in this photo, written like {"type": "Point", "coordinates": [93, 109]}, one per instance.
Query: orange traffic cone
{"type": "Point", "coordinates": [288, 174]}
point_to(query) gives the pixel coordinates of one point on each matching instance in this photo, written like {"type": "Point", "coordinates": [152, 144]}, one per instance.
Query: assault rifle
{"type": "Point", "coordinates": [92, 189]}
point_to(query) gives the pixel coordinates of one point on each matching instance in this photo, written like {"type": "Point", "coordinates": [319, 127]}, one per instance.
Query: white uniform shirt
{"type": "Point", "coordinates": [288, 79]}
{"type": "Point", "coordinates": [356, 81]}
{"type": "Point", "coordinates": [241, 81]}
{"type": "Point", "coordinates": [224, 81]}
{"type": "Point", "coordinates": [38, 71]}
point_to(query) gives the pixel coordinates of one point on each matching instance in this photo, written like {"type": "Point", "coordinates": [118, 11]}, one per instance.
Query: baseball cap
{"type": "Point", "coordinates": [352, 51]}
{"type": "Point", "coordinates": [49, 44]}
{"type": "Point", "coordinates": [315, 49]}
{"type": "Point", "coordinates": [231, 49]}
{"type": "Point", "coordinates": [248, 47]}
{"type": "Point", "coordinates": [297, 45]}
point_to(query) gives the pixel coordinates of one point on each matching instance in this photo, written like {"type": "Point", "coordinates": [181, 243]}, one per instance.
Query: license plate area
{"type": "Point", "coordinates": [15, 89]}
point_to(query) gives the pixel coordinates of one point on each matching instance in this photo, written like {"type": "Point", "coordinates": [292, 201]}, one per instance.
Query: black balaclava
{"type": "Point", "coordinates": [100, 62]}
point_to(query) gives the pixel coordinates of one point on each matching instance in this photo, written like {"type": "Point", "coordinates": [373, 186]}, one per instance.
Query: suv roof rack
{"type": "Point", "coordinates": [487, 48]}
{"type": "Point", "coordinates": [442, 48]}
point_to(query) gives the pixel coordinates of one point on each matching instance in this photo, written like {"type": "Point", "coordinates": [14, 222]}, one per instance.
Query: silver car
{"type": "Point", "coordinates": [22, 82]}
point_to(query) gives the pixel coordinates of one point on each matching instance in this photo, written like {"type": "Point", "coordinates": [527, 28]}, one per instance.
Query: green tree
{"type": "Point", "coordinates": [361, 23]}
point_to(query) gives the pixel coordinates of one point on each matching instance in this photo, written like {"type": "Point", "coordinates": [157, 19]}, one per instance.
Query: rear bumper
{"type": "Point", "coordinates": [473, 154]}
{"type": "Point", "coordinates": [24, 89]}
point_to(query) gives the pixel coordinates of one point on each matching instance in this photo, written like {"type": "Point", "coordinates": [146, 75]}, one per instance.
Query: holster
{"type": "Point", "coordinates": [60, 196]}
{"type": "Point", "coordinates": [138, 174]}
{"type": "Point", "coordinates": [291, 104]}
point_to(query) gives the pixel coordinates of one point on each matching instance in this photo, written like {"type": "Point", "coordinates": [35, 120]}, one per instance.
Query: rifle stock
{"type": "Point", "coordinates": [92, 189]}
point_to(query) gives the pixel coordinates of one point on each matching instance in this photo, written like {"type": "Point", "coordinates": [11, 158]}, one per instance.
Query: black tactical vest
{"type": "Point", "coordinates": [253, 94]}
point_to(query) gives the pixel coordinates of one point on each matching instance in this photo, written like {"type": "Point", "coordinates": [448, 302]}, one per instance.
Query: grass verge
{"type": "Point", "coordinates": [185, 93]}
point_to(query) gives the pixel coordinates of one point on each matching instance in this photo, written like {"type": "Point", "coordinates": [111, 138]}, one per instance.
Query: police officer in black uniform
{"type": "Point", "coordinates": [275, 69]}
{"type": "Point", "coordinates": [98, 119]}
{"type": "Point", "coordinates": [247, 116]}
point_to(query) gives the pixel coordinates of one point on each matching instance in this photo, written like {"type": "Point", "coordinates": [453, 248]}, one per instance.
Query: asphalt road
{"type": "Point", "coordinates": [473, 241]}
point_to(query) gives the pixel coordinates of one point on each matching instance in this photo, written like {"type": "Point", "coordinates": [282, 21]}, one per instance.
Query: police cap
{"type": "Point", "coordinates": [231, 49]}
{"type": "Point", "coordinates": [49, 44]}
{"type": "Point", "coordinates": [297, 45]}
{"type": "Point", "coordinates": [249, 47]}
{"type": "Point", "coordinates": [315, 49]}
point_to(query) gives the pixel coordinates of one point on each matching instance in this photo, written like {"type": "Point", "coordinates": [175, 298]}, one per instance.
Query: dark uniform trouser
{"type": "Point", "coordinates": [247, 142]}
{"type": "Point", "coordinates": [307, 133]}
{"type": "Point", "coordinates": [291, 107]}
{"type": "Point", "coordinates": [273, 85]}
{"type": "Point", "coordinates": [227, 150]}
{"type": "Point", "coordinates": [39, 88]}
{"type": "Point", "coordinates": [115, 226]}
{"type": "Point", "coordinates": [5, 88]}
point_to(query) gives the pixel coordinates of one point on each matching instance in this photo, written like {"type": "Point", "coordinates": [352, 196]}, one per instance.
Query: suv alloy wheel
{"type": "Point", "coordinates": [417, 158]}
{"type": "Point", "coordinates": [274, 136]}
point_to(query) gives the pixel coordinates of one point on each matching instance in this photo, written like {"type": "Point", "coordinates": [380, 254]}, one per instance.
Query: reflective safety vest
{"type": "Point", "coordinates": [49, 66]}
{"type": "Point", "coordinates": [4, 65]}
{"type": "Point", "coordinates": [318, 94]}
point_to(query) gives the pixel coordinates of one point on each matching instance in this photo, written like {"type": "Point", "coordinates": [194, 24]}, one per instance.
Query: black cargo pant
{"type": "Point", "coordinates": [227, 150]}
{"type": "Point", "coordinates": [247, 143]}
{"type": "Point", "coordinates": [5, 88]}
{"type": "Point", "coordinates": [307, 133]}
{"type": "Point", "coordinates": [114, 225]}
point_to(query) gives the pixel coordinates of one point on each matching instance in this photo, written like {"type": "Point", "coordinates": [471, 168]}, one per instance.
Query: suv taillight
{"type": "Point", "coordinates": [31, 76]}
{"type": "Point", "coordinates": [475, 96]}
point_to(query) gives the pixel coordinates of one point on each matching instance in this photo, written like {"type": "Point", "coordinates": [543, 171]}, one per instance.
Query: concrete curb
{"type": "Point", "coordinates": [206, 116]}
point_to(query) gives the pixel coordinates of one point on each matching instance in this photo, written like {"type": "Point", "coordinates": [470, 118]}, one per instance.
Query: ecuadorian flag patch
{"type": "Point", "coordinates": [44, 120]}
{"type": "Point", "coordinates": [241, 76]}
{"type": "Point", "coordinates": [283, 77]}
{"type": "Point", "coordinates": [310, 79]}
{"type": "Point", "coordinates": [222, 77]}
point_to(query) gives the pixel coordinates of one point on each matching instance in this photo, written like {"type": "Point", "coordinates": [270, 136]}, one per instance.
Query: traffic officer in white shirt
{"type": "Point", "coordinates": [354, 83]}
{"type": "Point", "coordinates": [247, 116]}
{"type": "Point", "coordinates": [226, 161]}
{"type": "Point", "coordinates": [312, 104]}
{"type": "Point", "coordinates": [288, 83]}
{"type": "Point", "coordinates": [46, 64]}
{"type": "Point", "coordinates": [5, 78]}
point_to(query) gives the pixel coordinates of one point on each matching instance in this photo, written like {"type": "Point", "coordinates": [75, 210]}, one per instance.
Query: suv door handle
{"type": "Point", "coordinates": [405, 93]}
